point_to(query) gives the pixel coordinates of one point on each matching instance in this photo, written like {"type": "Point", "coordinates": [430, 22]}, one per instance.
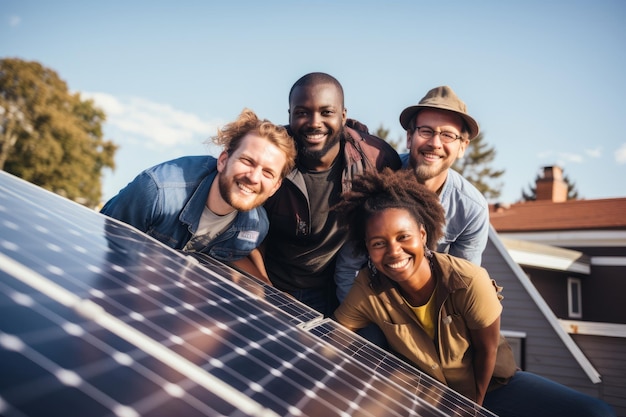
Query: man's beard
{"type": "Point", "coordinates": [306, 153]}
{"type": "Point", "coordinates": [424, 172]}
{"type": "Point", "coordinates": [238, 204]}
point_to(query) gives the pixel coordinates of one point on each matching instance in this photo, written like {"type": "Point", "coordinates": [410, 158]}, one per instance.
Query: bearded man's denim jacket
{"type": "Point", "coordinates": [167, 200]}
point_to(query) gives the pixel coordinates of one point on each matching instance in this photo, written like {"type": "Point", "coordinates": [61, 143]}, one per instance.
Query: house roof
{"type": "Point", "coordinates": [547, 257]}
{"type": "Point", "coordinates": [601, 214]}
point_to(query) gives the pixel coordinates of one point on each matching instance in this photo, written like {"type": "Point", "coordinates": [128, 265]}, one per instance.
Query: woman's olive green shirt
{"type": "Point", "coordinates": [466, 298]}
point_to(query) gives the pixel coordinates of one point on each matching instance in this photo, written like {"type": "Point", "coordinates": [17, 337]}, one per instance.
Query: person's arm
{"type": "Point", "coordinates": [485, 344]}
{"type": "Point", "coordinates": [352, 312]}
{"type": "Point", "coordinates": [472, 242]}
{"type": "Point", "coordinates": [254, 265]}
{"type": "Point", "coordinates": [135, 204]}
{"type": "Point", "coordinates": [347, 267]}
{"type": "Point", "coordinates": [347, 326]}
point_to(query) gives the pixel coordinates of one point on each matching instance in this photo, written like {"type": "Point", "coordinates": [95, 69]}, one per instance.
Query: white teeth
{"type": "Point", "coordinates": [245, 189]}
{"type": "Point", "coordinates": [431, 155]}
{"type": "Point", "coordinates": [400, 264]}
{"type": "Point", "coordinates": [316, 137]}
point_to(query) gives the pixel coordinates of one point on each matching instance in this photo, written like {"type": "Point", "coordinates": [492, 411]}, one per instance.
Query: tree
{"type": "Point", "coordinates": [49, 136]}
{"type": "Point", "coordinates": [474, 166]}
{"type": "Point", "coordinates": [531, 195]}
{"type": "Point", "coordinates": [383, 133]}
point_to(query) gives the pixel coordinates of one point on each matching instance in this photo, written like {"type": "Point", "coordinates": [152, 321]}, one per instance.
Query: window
{"type": "Point", "coordinates": [574, 298]}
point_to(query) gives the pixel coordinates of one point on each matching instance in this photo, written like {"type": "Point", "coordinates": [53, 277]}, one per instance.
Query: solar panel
{"type": "Point", "coordinates": [97, 319]}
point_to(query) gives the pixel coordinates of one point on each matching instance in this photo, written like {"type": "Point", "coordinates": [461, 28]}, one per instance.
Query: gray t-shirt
{"type": "Point", "coordinates": [210, 226]}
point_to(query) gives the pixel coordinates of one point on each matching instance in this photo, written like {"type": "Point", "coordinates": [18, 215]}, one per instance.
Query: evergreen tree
{"type": "Point", "coordinates": [475, 167]}
{"type": "Point", "coordinates": [383, 133]}
{"type": "Point", "coordinates": [49, 136]}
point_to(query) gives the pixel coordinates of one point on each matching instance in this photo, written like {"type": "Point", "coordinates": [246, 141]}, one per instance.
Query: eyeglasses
{"type": "Point", "coordinates": [428, 133]}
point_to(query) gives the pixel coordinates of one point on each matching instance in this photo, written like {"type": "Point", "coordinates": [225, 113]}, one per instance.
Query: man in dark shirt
{"type": "Point", "coordinates": [304, 236]}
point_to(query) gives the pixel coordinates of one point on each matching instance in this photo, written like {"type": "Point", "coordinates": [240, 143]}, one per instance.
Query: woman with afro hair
{"type": "Point", "coordinates": [440, 312]}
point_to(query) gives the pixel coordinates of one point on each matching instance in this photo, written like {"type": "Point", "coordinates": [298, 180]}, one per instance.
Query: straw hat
{"type": "Point", "coordinates": [442, 98]}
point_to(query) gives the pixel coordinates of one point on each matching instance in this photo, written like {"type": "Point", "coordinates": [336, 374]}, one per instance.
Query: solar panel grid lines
{"type": "Point", "coordinates": [99, 316]}
{"type": "Point", "coordinates": [398, 371]}
{"type": "Point", "coordinates": [283, 301]}
{"type": "Point", "coordinates": [95, 369]}
{"type": "Point", "coordinates": [98, 319]}
{"type": "Point", "coordinates": [11, 245]}
{"type": "Point", "coordinates": [321, 384]}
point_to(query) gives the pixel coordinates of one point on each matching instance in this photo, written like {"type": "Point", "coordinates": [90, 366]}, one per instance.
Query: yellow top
{"type": "Point", "coordinates": [426, 314]}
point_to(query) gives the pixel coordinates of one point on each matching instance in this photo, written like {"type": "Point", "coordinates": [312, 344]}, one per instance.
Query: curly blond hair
{"type": "Point", "coordinates": [230, 135]}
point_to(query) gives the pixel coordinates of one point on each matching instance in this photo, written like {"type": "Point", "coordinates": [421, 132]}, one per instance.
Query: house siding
{"type": "Point", "coordinates": [553, 288]}
{"type": "Point", "coordinates": [596, 229]}
{"type": "Point", "coordinates": [545, 352]}
{"type": "Point", "coordinates": [610, 360]}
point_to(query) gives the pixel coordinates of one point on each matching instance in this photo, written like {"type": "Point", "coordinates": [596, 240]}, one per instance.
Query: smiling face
{"type": "Point", "coordinates": [395, 243]}
{"type": "Point", "coordinates": [316, 118]}
{"type": "Point", "coordinates": [431, 158]}
{"type": "Point", "coordinates": [249, 176]}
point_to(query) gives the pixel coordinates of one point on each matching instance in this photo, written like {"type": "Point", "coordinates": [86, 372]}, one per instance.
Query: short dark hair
{"type": "Point", "coordinates": [373, 192]}
{"type": "Point", "coordinates": [316, 78]}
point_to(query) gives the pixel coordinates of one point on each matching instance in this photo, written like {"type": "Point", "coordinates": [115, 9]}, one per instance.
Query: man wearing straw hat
{"type": "Point", "coordinates": [438, 131]}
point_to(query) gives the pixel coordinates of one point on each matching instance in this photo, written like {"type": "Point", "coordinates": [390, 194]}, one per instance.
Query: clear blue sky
{"type": "Point", "coordinates": [545, 79]}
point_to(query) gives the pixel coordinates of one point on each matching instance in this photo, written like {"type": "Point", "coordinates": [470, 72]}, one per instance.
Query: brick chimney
{"type": "Point", "coordinates": [551, 187]}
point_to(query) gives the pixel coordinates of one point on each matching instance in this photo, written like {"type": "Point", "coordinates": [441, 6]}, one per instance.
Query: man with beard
{"type": "Point", "coordinates": [439, 129]}
{"type": "Point", "coordinates": [304, 237]}
{"type": "Point", "coordinates": [208, 205]}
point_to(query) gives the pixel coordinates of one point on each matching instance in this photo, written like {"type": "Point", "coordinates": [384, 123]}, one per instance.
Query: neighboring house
{"type": "Point", "coordinates": [563, 268]}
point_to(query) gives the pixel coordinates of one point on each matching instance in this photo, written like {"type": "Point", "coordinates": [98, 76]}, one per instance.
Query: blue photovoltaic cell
{"type": "Point", "coordinates": [97, 319]}
{"type": "Point", "coordinates": [300, 312]}
{"type": "Point", "coordinates": [396, 370]}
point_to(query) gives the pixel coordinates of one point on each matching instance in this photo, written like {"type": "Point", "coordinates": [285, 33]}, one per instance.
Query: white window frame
{"type": "Point", "coordinates": [574, 292]}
